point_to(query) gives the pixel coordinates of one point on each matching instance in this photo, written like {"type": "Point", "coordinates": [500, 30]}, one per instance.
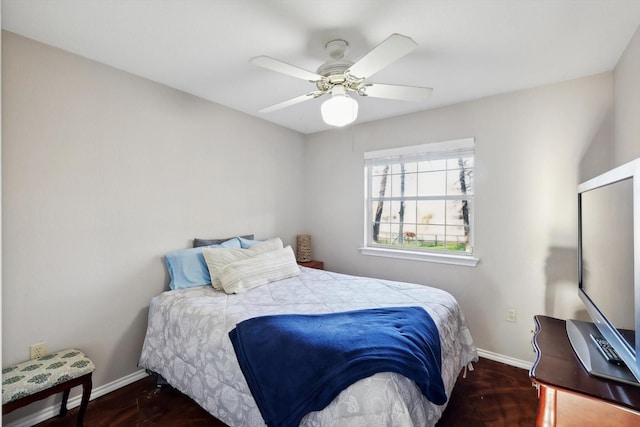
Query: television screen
{"type": "Point", "coordinates": [607, 253]}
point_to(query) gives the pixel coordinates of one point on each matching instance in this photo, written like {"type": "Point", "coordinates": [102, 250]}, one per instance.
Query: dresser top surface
{"type": "Point", "coordinates": [557, 365]}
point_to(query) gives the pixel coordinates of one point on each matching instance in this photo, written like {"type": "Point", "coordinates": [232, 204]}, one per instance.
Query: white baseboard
{"type": "Point", "coordinates": [54, 410]}
{"type": "Point", "coordinates": [505, 359]}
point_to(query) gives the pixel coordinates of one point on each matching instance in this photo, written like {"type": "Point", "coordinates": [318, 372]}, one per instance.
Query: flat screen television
{"type": "Point", "coordinates": [609, 273]}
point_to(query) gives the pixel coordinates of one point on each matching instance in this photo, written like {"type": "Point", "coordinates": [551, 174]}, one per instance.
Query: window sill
{"type": "Point", "coordinates": [464, 260]}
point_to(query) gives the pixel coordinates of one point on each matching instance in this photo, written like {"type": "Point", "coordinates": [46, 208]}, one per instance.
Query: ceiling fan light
{"type": "Point", "coordinates": [339, 110]}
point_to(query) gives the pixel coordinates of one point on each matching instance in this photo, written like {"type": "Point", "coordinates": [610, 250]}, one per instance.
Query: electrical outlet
{"type": "Point", "coordinates": [38, 350]}
{"type": "Point", "coordinates": [510, 315]}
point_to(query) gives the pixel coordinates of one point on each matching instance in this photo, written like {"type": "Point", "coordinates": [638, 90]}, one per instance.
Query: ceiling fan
{"type": "Point", "coordinates": [340, 76]}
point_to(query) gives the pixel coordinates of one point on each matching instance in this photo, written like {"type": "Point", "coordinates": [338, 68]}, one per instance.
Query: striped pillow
{"type": "Point", "coordinates": [241, 276]}
{"type": "Point", "coordinates": [217, 258]}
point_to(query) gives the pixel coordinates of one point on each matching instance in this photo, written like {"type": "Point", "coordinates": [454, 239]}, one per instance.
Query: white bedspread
{"type": "Point", "coordinates": [187, 343]}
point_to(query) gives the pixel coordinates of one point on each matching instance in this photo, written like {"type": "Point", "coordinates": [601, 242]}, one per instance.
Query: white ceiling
{"type": "Point", "coordinates": [467, 49]}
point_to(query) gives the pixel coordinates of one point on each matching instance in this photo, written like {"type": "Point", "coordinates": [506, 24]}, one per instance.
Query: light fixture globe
{"type": "Point", "coordinates": [340, 109]}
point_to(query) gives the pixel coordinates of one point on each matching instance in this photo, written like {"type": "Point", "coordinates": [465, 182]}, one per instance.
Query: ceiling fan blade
{"type": "Point", "coordinates": [391, 49]}
{"type": "Point", "coordinates": [292, 101]}
{"type": "Point", "coordinates": [402, 93]}
{"type": "Point", "coordinates": [282, 67]}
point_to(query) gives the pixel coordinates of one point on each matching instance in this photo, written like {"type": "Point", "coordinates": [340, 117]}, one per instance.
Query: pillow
{"type": "Point", "coordinates": [247, 242]}
{"type": "Point", "coordinates": [208, 242]}
{"type": "Point", "coordinates": [187, 267]}
{"type": "Point", "coordinates": [216, 258]}
{"type": "Point", "coordinates": [243, 275]}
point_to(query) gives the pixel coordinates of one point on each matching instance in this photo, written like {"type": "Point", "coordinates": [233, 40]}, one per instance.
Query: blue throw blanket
{"type": "Point", "coordinates": [295, 364]}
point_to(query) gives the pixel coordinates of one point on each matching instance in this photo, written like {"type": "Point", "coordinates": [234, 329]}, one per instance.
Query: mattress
{"type": "Point", "coordinates": [187, 343]}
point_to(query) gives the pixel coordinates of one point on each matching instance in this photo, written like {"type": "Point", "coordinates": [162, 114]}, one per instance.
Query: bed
{"type": "Point", "coordinates": [187, 343]}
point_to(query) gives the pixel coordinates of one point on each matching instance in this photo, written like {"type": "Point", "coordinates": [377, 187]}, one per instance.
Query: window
{"type": "Point", "coordinates": [419, 202]}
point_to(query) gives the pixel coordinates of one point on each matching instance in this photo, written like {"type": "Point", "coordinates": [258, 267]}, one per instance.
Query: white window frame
{"type": "Point", "coordinates": [434, 151]}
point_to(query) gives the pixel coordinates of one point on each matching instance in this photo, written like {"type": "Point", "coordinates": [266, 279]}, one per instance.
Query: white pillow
{"type": "Point", "coordinates": [241, 276]}
{"type": "Point", "coordinates": [216, 258]}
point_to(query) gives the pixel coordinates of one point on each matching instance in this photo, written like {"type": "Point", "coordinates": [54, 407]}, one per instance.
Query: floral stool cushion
{"type": "Point", "coordinates": [27, 378]}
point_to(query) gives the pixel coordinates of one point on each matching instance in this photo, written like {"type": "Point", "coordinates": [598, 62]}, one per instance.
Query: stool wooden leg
{"type": "Point", "coordinates": [86, 393]}
{"type": "Point", "coordinates": [63, 405]}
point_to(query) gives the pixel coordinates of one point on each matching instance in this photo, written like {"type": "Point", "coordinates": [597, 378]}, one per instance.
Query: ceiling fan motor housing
{"type": "Point", "coordinates": [334, 69]}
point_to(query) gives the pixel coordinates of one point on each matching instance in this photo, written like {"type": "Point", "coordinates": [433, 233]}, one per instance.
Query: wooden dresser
{"type": "Point", "coordinates": [569, 396]}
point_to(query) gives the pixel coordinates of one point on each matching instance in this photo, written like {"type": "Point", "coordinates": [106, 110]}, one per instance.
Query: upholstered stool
{"type": "Point", "coordinates": [36, 379]}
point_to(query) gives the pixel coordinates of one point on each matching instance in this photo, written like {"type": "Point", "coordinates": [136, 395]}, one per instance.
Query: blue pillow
{"type": "Point", "coordinates": [247, 243]}
{"type": "Point", "coordinates": [188, 268]}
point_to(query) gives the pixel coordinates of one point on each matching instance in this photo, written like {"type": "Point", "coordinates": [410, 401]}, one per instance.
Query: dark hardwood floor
{"type": "Point", "coordinates": [493, 395]}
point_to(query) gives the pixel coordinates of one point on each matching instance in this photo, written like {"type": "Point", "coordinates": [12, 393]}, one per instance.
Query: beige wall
{"type": "Point", "coordinates": [531, 147]}
{"type": "Point", "coordinates": [627, 103]}
{"type": "Point", "coordinates": [103, 173]}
